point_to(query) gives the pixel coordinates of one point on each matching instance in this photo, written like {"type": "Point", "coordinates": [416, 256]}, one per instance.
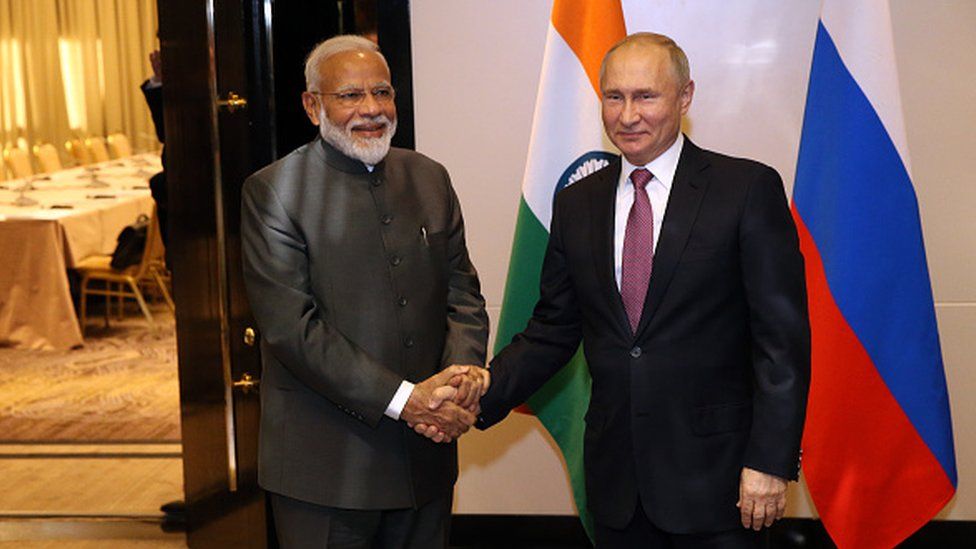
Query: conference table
{"type": "Point", "coordinates": [48, 224]}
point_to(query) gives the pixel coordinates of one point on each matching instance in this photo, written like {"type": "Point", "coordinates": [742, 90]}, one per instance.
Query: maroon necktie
{"type": "Point", "coordinates": [638, 249]}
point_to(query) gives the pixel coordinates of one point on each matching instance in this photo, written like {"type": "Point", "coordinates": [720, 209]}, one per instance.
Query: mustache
{"type": "Point", "coordinates": [379, 119]}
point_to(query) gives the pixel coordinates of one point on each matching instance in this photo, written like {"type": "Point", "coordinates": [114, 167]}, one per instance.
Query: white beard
{"type": "Point", "coordinates": [371, 150]}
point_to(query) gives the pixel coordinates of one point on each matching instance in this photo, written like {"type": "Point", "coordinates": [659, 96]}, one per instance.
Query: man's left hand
{"type": "Point", "coordinates": [762, 498]}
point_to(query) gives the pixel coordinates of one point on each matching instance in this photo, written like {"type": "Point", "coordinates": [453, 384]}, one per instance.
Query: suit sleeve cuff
{"type": "Point", "coordinates": [399, 400]}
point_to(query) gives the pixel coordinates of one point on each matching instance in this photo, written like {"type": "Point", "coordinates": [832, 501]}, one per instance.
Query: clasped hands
{"type": "Point", "coordinates": [445, 405]}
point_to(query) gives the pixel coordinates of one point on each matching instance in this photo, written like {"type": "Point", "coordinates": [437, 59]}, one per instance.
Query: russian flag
{"type": "Point", "coordinates": [877, 450]}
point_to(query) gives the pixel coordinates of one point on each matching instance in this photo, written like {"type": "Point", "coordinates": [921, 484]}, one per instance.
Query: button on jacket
{"type": "Point", "coordinates": [357, 281]}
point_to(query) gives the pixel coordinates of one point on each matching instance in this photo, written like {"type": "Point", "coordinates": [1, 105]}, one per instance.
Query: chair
{"type": "Point", "coordinates": [97, 149]}
{"type": "Point", "coordinates": [47, 158]}
{"type": "Point", "coordinates": [119, 145]}
{"type": "Point", "coordinates": [77, 150]}
{"type": "Point", "coordinates": [149, 268]}
{"type": "Point", "coordinates": [18, 162]}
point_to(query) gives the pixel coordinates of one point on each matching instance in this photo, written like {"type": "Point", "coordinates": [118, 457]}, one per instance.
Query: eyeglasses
{"type": "Point", "coordinates": [354, 98]}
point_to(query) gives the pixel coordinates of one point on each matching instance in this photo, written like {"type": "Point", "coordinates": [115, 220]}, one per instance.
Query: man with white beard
{"type": "Point", "coordinates": [368, 306]}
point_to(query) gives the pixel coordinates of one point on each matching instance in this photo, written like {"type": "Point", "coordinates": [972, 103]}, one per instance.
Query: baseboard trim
{"type": "Point", "coordinates": [563, 531]}
{"type": "Point", "coordinates": [937, 534]}
{"type": "Point", "coordinates": [517, 531]}
{"type": "Point", "coordinates": [35, 528]}
{"type": "Point", "coordinates": [93, 455]}
{"type": "Point", "coordinates": [106, 517]}
{"type": "Point", "coordinates": [87, 442]}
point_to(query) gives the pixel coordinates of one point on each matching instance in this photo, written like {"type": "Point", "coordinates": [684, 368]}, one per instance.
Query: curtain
{"type": "Point", "coordinates": [72, 68]}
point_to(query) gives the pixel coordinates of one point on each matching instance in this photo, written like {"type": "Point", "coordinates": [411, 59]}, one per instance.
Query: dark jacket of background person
{"type": "Point", "coordinates": [157, 183]}
{"type": "Point", "coordinates": [154, 99]}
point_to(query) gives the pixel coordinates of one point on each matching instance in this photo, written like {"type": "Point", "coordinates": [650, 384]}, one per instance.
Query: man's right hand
{"type": "Point", "coordinates": [426, 406]}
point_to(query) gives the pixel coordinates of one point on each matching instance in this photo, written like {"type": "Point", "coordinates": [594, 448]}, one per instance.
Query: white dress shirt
{"type": "Point", "coordinates": [658, 190]}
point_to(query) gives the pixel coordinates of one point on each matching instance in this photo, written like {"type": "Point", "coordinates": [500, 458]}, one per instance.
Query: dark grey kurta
{"type": "Point", "coordinates": [357, 281]}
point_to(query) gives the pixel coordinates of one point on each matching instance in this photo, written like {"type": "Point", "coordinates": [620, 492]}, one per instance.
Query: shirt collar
{"type": "Point", "coordinates": [663, 167]}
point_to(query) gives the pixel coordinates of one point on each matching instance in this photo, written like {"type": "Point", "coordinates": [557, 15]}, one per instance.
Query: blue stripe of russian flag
{"type": "Point", "coordinates": [855, 196]}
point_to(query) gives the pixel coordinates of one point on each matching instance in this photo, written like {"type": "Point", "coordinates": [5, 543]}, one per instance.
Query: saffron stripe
{"type": "Point", "coordinates": [590, 27]}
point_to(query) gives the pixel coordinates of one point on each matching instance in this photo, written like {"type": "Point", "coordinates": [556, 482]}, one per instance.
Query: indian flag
{"type": "Point", "coordinates": [567, 144]}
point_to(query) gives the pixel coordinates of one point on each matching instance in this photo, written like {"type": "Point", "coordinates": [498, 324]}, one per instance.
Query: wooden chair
{"type": "Point", "coordinates": [97, 149]}
{"type": "Point", "coordinates": [77, 150]}
{"type": "Point", "coordinates": [47, 158]}
{"type": "Point", "coordinates": [119, 146]}
{"type": "Point", "coordinates": [18, 162]}
{"type": "Point", "coordinates": [125, 284]}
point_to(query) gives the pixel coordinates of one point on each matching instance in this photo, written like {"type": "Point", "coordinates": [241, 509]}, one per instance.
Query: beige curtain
{"type": "Point", "coordinates": [72, 68]}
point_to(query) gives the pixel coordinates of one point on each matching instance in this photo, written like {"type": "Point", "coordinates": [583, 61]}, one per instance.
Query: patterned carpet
{"type": "Point", "coordinates": [122, 386]}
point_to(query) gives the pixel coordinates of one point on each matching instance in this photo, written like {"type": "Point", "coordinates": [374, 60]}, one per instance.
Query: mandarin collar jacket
{"type": "Point", "coordinates": [357, 281]}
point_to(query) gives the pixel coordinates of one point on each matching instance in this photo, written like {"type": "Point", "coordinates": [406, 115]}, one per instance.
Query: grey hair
{"type": "Point", "coordinates": [335, 45]}
{"type": "Point", "coordinates": [679, 61]}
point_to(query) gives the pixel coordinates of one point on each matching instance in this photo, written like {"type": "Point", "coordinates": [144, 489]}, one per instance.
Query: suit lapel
{"type": "Point", "coordinates": [602, 206]}
{"type": "Point", "coordinates": [687, 190]}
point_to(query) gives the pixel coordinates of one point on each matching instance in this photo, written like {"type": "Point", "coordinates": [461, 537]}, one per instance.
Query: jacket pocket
{"type": "Point", "coordinates": [433, 240]}
{"type": "Point", "coordinates": [722, 418]}
{"type": "Point", "coordinates": [434, 245]}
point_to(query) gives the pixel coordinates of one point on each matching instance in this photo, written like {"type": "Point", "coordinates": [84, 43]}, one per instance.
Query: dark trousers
{"type": "Point", "coordinates": [641, 532]}
{"type": "Point", "coordinates": [302, 525]}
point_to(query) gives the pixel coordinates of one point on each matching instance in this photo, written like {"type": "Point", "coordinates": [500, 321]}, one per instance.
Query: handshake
{"type": "Point", "coordinates": [445, 405]}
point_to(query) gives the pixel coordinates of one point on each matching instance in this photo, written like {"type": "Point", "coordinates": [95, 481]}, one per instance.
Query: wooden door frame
{"type": "Point", "coordinates": [225, 507]}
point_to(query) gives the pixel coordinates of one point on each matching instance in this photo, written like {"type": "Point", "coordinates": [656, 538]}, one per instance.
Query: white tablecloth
{"type": "Point", "coordinates": [78, 213]}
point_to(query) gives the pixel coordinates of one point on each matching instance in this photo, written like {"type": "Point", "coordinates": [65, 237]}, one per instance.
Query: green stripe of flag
{"type": "Point", "coordinates": [562, 402]}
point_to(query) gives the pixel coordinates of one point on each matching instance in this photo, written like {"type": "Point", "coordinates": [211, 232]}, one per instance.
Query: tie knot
{"type": "Point", "coordinates": [640, 177]}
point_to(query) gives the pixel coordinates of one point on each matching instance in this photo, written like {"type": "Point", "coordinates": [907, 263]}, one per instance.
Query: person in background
{"type": "Point", "coordinates": [152, 89]}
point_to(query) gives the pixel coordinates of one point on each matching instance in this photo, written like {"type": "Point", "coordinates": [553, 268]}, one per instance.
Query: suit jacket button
{"type": "Point", "coordinates": [408, 342]}
{"type": "Point", "coordinates": [386, 219]}
{"type": "Point", "coordinates": [377, 181]}
{"type": "Point", "coordinates": [402, 301]}
{"type": "Point", "coordinates": [635, 352]}
{"type": "Point", "coordinates": [395, 260]}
